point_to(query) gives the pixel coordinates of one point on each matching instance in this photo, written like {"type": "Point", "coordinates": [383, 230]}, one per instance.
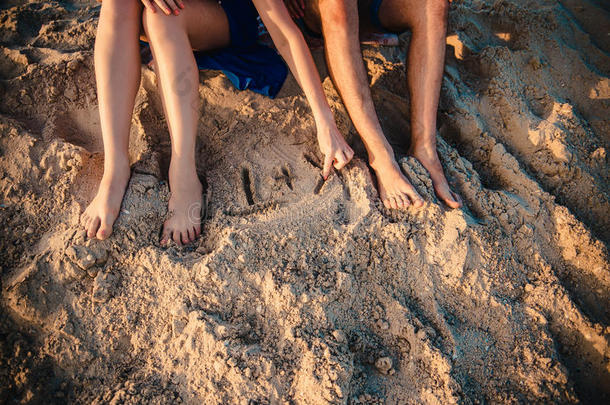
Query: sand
{"type": "Point", "coordinates": [309, 293]}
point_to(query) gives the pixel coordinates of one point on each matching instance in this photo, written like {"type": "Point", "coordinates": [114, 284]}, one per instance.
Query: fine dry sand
{"type": "Point", "coordinates": [308, 293]}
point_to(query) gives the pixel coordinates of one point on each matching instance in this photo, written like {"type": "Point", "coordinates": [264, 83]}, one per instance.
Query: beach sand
{"type": "Point", "coordinates": [306, 292]}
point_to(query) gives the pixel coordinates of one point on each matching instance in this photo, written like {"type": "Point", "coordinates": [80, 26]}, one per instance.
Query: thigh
{"type": "Point", "coordinates": [121, 10]}
{"type": "Point", "coordinates": [400, 15]}
{"type": "Point", "coordinates": [313, 17]}
{"type": "Point", "coordinates": [206, 24]}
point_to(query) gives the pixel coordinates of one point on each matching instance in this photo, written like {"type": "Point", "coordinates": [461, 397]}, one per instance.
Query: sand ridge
{"type": "Point", "coordinates": [302, 291]}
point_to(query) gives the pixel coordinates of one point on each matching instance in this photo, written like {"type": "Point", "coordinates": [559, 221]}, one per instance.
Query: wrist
{"type": "Point", "coordinates": [322, 115]}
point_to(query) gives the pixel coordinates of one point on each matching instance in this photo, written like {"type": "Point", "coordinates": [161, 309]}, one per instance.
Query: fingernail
{"type": "Point", "coordinates": [176, 12]}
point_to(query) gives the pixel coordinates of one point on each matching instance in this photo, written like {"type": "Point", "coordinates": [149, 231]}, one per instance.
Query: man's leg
{"type": "Point", "coordinates": [339, 23]}
{"type": "Point", "coordinates": [117, 74]}
{"type": "Point", "coordinates": [428, 21]}
{"type": "Point", "coordinates": [202, 25]}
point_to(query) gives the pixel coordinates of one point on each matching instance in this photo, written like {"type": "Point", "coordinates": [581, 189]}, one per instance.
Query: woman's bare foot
{"type": "Point", "coordinates": [395, 190]}
{"type": "Point", "coordinates": [428, 157]}
{"type": "Point", "coordinates": [101, 213]}
{"type": "Point", "coordinates": [184, 224]}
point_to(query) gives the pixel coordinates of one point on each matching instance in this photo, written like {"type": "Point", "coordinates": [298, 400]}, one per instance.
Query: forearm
{"type": "Point", "coordinates": [293, 48]}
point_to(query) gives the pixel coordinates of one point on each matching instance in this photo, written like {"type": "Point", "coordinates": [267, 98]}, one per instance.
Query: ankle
{"type": "Point", "coordinates": [381, 162]}
{"type": "Point", "coordinates": [116, 168]}
{"type": "Point", "coordinates": [427, 147]}
{"type": "Point", "coordinates": [183, 174]}
{"type": "Point", "coordinates": [423, 138]}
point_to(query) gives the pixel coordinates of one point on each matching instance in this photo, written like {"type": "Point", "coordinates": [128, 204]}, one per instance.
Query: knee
{"type": "Point", "coordinates": [337, 14]}
{"type": "Point", "coordinates": [121, 10]}
{"type": "Point", "coordinates": [158, 22]}
{"type": "Point", "coordinates": [437, 11]}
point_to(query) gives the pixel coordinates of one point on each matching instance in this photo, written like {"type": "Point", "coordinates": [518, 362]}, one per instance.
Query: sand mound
{"type": "Point", "coordinates": [308, 292]}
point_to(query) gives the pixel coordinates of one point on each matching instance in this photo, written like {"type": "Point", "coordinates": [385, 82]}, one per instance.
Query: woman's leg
{"type": "Point", "coordinates": [201, 25]}
{"type": "Point", "coordinates": [117, 74]}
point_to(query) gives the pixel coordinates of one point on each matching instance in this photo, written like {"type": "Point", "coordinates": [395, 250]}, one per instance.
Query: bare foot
{"type": "Point", "coordinates": [428, 157]}
{"type": "Point", "coordinates": [101, 213]}
{"type": "Point", "coordinates": [395, 190]}
{"type": "Point", "coordinates": [184, 225]}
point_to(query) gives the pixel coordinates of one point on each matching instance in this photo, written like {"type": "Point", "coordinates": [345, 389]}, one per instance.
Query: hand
{"type": "Point", "coordinates": [336, 151]}
{"type": "Point", "coordinates": [168, 6]}
{"type": "Point", "coordinates": [296, 8]}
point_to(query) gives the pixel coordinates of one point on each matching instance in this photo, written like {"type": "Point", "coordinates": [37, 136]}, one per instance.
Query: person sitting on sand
{"type": "Point", "coordinates": [338, 22]}
{"type": "Point", "coordinates": [174, 29]}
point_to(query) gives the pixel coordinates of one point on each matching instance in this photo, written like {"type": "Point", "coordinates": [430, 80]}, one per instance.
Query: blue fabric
{"type": "Point", "coordinates": [258, 68]}
{"type": "Point", "coordinates": [243, 22]}
{"type": "Point", "coordinates": [247, 64]}
{"type": "Point", "coordinates": [374, 11]}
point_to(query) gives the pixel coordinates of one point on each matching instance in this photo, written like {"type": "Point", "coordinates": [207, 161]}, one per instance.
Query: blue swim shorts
{"type": "Point", "coordinates": [247, 63]}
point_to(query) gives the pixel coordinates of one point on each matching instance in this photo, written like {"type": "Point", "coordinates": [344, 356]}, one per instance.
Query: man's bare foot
{"type": "Point", "coordinates": [428, 157]}
{"type": "Point", "coordinates": [395, 190]}
{"type": "Point", "coordinates": [184, 225]}
{"type": "Point", "coordinates": [101, 213]}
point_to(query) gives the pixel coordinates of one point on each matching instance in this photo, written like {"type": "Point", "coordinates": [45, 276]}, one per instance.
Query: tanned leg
{"type": "Point", "coordinates": [428, 21]}
{"type": "Point", "coordinates": [339, 23]}
{"type": "Point", "coordinates": [201, 25]}
{"type": "Point", "coordinates": [117, 74]}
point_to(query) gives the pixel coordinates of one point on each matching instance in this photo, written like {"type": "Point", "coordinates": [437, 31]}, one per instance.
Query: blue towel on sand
{"type": "Point", "coordinates": [257, 67]}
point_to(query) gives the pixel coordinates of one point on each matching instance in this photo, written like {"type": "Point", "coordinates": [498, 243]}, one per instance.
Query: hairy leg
{"type": "Point", "coordinates": [201, 25]}
{"type": "Point", "coordinates": [339, 22]}
{"type": "Point", "coordinates": [428, 21]}
{"type": "Point", "coordinates": [117, 74]}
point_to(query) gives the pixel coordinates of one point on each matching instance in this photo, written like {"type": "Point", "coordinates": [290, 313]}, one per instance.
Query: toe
{"type": "Point", "coordinates": [386, 203]}
{"type": "Point", "coordinates": [447, 196]}
{"type": "Point", "coordinates": [176, 238]}
{"type": "Point", "coordinates": [105, 229]}
{"type": "Point", "coordinates": [414, 196]}
{"type": "Point", "coordinates": [405, 200]}
{"type": "Point", "coordinates": [92, 227]}
{"type": "Point", "coordinates": [399, 203]}
{"type": "Point", "coordinates": [418, 202]}
{"type": "Point", "coordinates": [165, 236]}
{"type": "Point", "coordinates": [393, 203]}
{"type": "Point", "coordinates": [197, 230]}
{"type": "Point", "coordinates": [184, 236]}
{"type": "Point", "coordinates": [457, 199]}
{"type": "Point", "coordinates": [192, 234]}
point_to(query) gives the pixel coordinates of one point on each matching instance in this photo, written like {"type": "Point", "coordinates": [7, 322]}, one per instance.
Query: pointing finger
{"type": "Point", "coordinates": [328, 161]}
